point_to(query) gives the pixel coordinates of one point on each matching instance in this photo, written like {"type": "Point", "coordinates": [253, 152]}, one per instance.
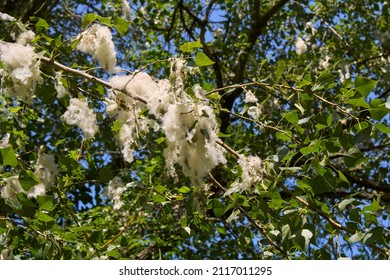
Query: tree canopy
{"type": "Point", "coordinates": [194, 129]}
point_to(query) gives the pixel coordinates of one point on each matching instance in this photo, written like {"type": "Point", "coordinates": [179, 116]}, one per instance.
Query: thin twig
{"type": "Point", "coordinates": [118, 234]}
{"type": "Point", "coordinates": [88, 77]}
{"type": "Point", "coordinates": [227, 148]}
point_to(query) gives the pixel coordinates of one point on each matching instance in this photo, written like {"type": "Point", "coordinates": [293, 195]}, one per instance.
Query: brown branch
{"type": "Point", "coordinates": [88, 77]}
{"type": "Point", "coordinates": [259, 23]}
{"type": "Point", "coordinates": [383, 187]}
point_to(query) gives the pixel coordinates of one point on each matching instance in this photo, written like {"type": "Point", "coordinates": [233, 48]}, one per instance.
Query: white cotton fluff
{"type": "Point", "coordinates": [300, 46]}
{"type": "Point", "coordinates": [45, 170]}
{"type": "Point", "coordinates": [79, 114]}
{"type": "Point", "coordinates": [250, 97]}
{"type": "Point", "coordinates": [115, 189]}
{"type": "Point", "coordinates": [253, 172]}
{"type": "Point", "coordinates": [97, 41]}
{"type": "Point", "coordinates": [6, 254]}
{"type": "Point", "coordinates": [25, 37]}
{"type": "Point", "coordinates": [4, 142]}
{"type": "Point", "coordinates": [13, 187]}
{"type": "Point", "coordinates": [126, 10]}
{"type": "Point", "coordinates": [178, 76]}
{"type": "Point", "coordinates": [324, 63]}
{"type": "Point", "coordinates": [191, 130]}
{"type": "Point", "coordinates": [6, 17]}
{"type": "Point", "coordinates": [59, 86]}
{"type": "Point", "coordinates": [344, 73]}
{"type": "Point", "coordinates": [21, 71]}
{"type": "Point", "coordinates": [126, 109]}
{"type": "Point", "coordinates": [190, 125]}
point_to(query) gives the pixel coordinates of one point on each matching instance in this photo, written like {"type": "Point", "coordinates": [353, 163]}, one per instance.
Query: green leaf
{"type": "Point", "coordinates": [291, 117]}
{"type": "Point", "coordinates": [45, 218]}
{"type": "Point", "coordinates": [184, 189]}
{"type": "Point", "coordinates": [354, 159]}
{"type": "Point", "coordinates": [190, 46]}
{"type": "Point", "coordinates": [362, 135]}
{"type": "Point", "coordinates": [45, 202]}
{"type": "Point", "coordinates": [284, 136]}
{"type": "Point", "coordinates": [322, 184]}
{"type": "Point", "coordinates": [88, 19]}
{"type": "Point", "coordinates": [121, 25]}
{"type": "Point", "coordinates": [312, 148]}
{"type": "Point", "coordinates": [223, 135]}
{"type": "Point", "coordinates": [116, 126]}
{"type": "Point", "coordinates": [358, 102]}
{"type": "Point", "coordinates": [27, 179]}
{"type": "Point", "coordinates": [382, 128]}
{"type": "Point", "coordinates": [358, 236]}
{"type": "Point", "coordinates": [372, 208]}
{"type": "Point", "coordinates": [160, 188]}
{"type": "Point", "coordinates": [214, 95]}
{"type": "Point", "coordinates": [28, 207]}
{"type": "Point", "coordinates": [160, 140]}
{"type": "Point", "coordinates": [345, 202]}
{"type": "Point", "coordinates": [285, 231]}
{"type": "Point", "coordinates": [364, 85]}
{"type": "Point", "coordinates": [202, 60]}
{"type": "Point", "coordinates": [379, 109]}
{"type": "Point", "coordinates": [42, 25]}
{"type": "Point", "coordinates": [8, 156]}
{"type": "Point", "coordinates": [59, 142]}
{"type": "Point", "coordinates": [342, 177]}
{"type": "Point", "coordinates": [158, 198]}
{"type": "Point", "coordinates": [218, 208]}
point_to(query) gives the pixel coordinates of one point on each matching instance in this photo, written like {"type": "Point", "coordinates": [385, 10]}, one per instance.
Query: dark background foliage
{"type": "Point", "coordinates": [324, 139]}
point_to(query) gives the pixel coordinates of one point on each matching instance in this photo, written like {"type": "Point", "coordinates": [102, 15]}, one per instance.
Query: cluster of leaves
{"type": "Point", "coordinates": [325, 142]}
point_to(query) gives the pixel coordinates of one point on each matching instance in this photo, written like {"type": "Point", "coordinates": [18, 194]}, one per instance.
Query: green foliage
{"type": "Point", "coordinates": [321, 131]}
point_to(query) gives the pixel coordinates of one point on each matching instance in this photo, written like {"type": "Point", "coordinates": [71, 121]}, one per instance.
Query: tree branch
{"type": "Point", "coordinates": [88, 77]}
{"type": "Point", "coordinates": [258, 24]}
{"type": "Point", "coordinates": [336, 224]}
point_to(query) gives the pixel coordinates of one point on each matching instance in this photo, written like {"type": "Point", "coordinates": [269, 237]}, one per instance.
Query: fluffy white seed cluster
{"type": "Point", "coordinates": [344, 73]}
{"type": "Point", "coordinates": [253, 172]}
{"type": "Point", "coordinates": [122, 105]}
{"type": "Point", "coordinates": [79, 114]}
{"type": "Point", "coordinates": [21, 74]}
{"type": "Point", "coordinates": [59, 86]}
{"type": "Point", "coordinates": [6, 254]}
{"type": "Point", "coordinates": [191, 131]}
{"type": "Point", "coordinates": [250, 97]}
{"type": "Point", "coordinates": [25, 37]}
{"type": "Point", "coordinates": [115, 189]}
{"type": "Point", "coordinates": [300, 46]}
{"type": "Point", "coordinates": [4, 142]}
{"type": "Point", "coordinates": [6, 17]}
{"type": "Point", "coordinates": [324, 62]}
{"type": "Point", "coordinates": [45, 170]}
{"type": "Point", "coordinates": [126, 10]}
{"type": "Point", "coordinates": [97, 41]}
{"type": "Point", "coordinates": [190, 125]}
